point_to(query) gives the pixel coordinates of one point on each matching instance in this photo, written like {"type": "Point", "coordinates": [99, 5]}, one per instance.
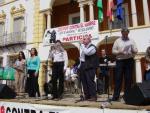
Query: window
{"type": "Point", "coordinates": [18, 24]}
{"type": "Point", "coordinates": [117, 24]}
{"type": "Point", "coordinates": [74, 18]}
{"type": "Point", "coordinates": [1, 28]}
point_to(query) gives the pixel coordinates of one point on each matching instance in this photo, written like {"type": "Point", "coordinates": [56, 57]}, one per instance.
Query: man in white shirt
{"type": "Point", "coordinates": [124, 48]}
{"type": "Point", "coordinates": [60, 62]}
{"type": "Point", "coordinates": [87, 69]}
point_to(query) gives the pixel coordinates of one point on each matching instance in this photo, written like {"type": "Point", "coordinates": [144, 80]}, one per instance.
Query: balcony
{"type": "Point", "coordinates": [13, 39]}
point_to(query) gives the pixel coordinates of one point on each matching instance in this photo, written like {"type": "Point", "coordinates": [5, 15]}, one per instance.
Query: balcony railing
{"type": "Point", "coordinates": [13, 38]}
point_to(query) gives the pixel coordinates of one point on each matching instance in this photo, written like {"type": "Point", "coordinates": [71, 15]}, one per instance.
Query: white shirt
{"type": "Point", "coordinates": [20, 64]}
{"type": "Point", "coordinates": [70, 73]}
{"type": "Point", "coordinates": [86, 51]}
{"type": "Point", "coordinates": [128, 48]}
{"type": "Point", "coordinates": [60, 57]}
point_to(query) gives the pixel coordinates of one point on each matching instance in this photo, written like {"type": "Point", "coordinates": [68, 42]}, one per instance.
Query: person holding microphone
{"type": "Point", "coordinates": [59, 66]}
{"type": "Point", "coordinates": [87, 68]}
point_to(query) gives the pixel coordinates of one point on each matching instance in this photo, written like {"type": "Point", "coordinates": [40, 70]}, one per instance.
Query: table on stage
{"type": "Point", "coordinates": [110, 66]}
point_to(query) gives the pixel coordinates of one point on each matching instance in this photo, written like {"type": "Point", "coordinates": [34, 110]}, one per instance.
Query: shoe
{"type": "Point", "coordinates": [92, 99]}
{"type": "Point", "coordinates": [60, 97]}
{"type": "Point", "coordinates": [100, 92]}
{"type": "Point", "coordinates": [84, 97]}
{"type": "Point", "coordinates": [115, 99]}
{"type": "Point", "coordinates": [53, 98]}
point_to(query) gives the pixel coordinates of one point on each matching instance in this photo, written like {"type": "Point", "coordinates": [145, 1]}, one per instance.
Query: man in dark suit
{"type": "Point", "coordinates": [103, 77]}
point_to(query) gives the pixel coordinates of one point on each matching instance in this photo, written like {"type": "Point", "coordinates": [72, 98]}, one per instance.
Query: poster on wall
{"type": "Point", "coordinates": [71, 33]}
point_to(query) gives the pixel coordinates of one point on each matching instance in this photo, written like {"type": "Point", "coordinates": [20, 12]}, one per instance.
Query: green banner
{"type": "Point", "coordinates": [1, 72]}
{"type": "Point", "coordinates": [8, 73]}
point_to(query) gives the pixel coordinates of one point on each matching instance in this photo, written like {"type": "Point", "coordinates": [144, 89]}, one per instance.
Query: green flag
{"type": "Point", "coordinates": [100, 10]}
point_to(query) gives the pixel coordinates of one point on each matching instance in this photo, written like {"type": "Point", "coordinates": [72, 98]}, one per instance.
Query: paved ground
{"type": "Point", "coordinates": [71, 100]}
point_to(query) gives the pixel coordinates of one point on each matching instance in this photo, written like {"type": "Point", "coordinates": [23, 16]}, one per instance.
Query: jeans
{"type": "Point", "coordinates": [123, 69]}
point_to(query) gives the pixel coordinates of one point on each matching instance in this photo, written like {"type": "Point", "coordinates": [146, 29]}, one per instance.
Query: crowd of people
{"type": "Point", "coordinates": [84, 71]}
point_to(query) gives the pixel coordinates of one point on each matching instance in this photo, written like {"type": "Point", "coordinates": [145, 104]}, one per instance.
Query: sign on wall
{"type": "Point", "coordinates": [71, 33]}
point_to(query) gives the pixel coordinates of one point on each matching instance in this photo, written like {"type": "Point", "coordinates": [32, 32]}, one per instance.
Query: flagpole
{"type": "Point", "coordinates": [106, 50]}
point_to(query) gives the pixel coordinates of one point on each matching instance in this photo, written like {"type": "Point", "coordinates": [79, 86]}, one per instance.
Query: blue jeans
{"type": "Point", "coordinates": [123, 69]}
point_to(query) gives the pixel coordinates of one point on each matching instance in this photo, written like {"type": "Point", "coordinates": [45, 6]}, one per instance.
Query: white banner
{"type": "Point", "coordinates": [12, 107]}
{"type": "Point", "coordinates": [71, 33]}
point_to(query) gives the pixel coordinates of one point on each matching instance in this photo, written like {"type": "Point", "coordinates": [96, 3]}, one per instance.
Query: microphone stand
{"type": "Point", "coordinates": [107, 67]}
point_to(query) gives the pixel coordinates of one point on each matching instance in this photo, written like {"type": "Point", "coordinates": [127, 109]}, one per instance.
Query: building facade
{"type": "Point", "coordinates": [21, 28]}
{"type": "Point", "coordinates": [136, 18]}
{"type": "Point", "coordinates": [23, 22]}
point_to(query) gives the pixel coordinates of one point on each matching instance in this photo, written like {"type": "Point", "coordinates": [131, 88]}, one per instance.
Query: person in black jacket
{"type": "Point", "coordinates": [104, 60]}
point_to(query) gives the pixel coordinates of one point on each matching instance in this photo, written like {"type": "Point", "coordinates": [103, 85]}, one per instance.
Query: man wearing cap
{"type": "Point", "coordinates": [124, 48]}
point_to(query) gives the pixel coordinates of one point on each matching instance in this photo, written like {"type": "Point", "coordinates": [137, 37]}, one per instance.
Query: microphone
{"type": "Point", "coordinates": [106, 36]}
{"type": "Point", "coordinates": [105, 60]}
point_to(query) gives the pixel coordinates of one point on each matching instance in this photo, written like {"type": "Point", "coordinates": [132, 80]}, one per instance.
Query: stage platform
{"type": "Point", "coordinates": [69, 100]}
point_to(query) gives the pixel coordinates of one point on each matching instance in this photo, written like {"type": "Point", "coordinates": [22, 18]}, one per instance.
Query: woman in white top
{"type": "Point", "coordinates": [20, 73]}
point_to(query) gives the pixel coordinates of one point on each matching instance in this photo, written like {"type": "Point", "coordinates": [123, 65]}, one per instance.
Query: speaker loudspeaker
{"type": "Point", "coordinates": [139, 94]}
{"type": "Point", "coordinates": [6, 92]}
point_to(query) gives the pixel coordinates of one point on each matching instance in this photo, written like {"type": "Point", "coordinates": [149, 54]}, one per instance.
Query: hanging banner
{"type": "Point", "coordinates": [12, 107]}
{"type": "Point", "coordinates": [71, 33]}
